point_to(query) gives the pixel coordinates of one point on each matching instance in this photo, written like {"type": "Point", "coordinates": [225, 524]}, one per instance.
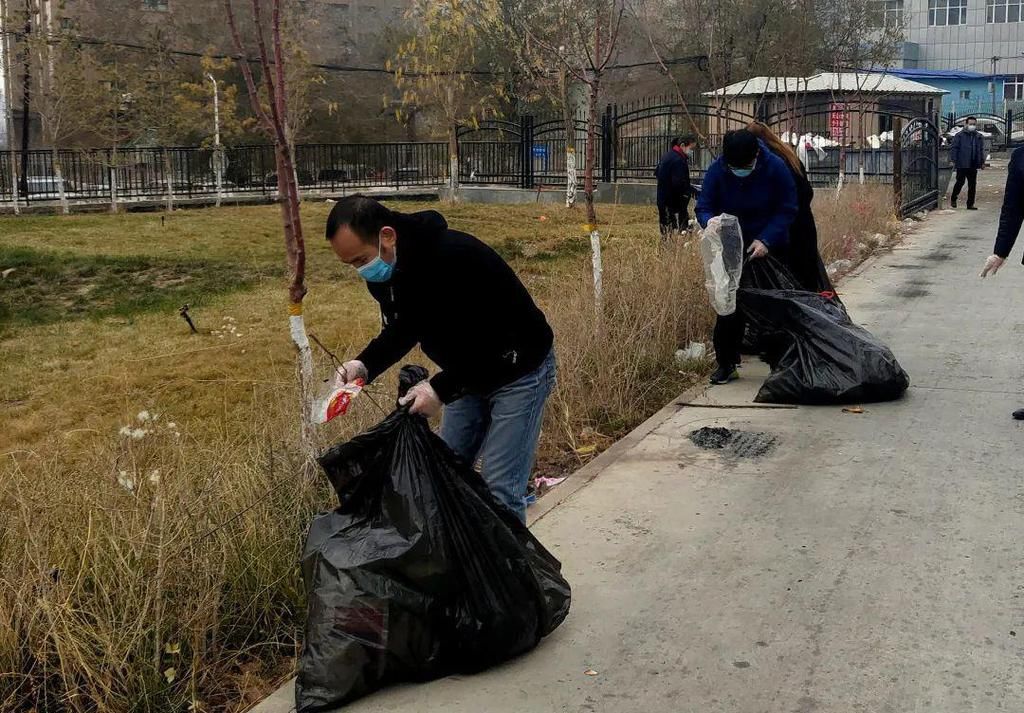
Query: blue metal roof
{"type": "Point", "coordinates": [922, 74]}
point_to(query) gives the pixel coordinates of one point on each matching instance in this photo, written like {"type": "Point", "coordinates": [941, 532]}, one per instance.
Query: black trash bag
{"type": "Point", "coordinates": [420, 573]}
{"type": "Point", "coordinates": [765, 273]}
{"type": "Point", "coordinates": [818, 355]}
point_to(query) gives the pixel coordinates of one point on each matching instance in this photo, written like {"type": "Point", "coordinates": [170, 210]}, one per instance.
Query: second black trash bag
{"type": "Point", "coordinates": [818, 355]}
{"type": "Point", "coordinates": [419, 573]}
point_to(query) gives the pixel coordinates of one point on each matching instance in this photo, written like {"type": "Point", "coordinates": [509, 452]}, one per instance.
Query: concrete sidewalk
{"type": "Point", "coordinates": [868, 563]}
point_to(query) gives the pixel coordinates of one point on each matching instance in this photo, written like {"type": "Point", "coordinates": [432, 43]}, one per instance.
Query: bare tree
{"type": "Point", "coordinates": [586, 58]}
{"type": "Point", "coordinates": [438, 66]}
{"type": "Point", "coordinates": [273, 118]}
{"type": "Point", "coordinates": [537, 26]}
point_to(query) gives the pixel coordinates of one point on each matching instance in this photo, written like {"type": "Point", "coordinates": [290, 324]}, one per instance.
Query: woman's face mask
{"type": "Point", "coordinates": [743, 172]}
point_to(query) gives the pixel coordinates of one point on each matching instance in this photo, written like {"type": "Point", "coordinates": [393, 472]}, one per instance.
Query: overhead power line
{"type": "Point", "coordinates": [700, 61]}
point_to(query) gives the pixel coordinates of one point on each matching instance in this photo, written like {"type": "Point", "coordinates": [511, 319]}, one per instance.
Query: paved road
{"type": "Point", "coordinates": [872, 563]}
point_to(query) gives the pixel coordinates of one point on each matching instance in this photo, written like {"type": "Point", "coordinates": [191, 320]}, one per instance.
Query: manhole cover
{"type": "Point", "coordinates": [739, 444]}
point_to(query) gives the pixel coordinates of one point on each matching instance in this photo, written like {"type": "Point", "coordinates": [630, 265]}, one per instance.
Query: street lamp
{"type": "Point", "coordinates": [218, 158]}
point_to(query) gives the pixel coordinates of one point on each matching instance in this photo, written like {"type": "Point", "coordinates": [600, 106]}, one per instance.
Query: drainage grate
{"type": "Point", "coordinates": [738, 444]}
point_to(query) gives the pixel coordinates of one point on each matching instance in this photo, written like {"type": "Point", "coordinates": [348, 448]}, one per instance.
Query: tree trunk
{"type": "Point", "coordinates": [571, 178]}
{"type": "Point", "coordinates": [26, 123]}
{"type": "Point", "coordinates": [58, 174]}
{"type": "Point", "coordinates": [288, 197]}
{"type": "Point", "coordinates": [588, 193]}
{"type": "Point", "coordinates": [113, 179]}
{"type": "Point", "coordinates": [8, 111]}
{"type": "Point", "coordinates": [169, 178]}
{"type": "Point", "coordinates": [453, 162]}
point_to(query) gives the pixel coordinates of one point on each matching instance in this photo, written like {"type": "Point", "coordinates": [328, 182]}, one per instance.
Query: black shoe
{"type": "Point", "coordinates": [952, 202]}
{"type": "Point", "coordinates": [1018, 415]}
{"type": "Point", "coordinates": [723, 375]}
{"type": "Point", "coordinates": [971, 207]}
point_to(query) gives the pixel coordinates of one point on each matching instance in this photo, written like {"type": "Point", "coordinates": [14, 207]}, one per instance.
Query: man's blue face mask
{"type": "Point", "coordinates": [377, 270]}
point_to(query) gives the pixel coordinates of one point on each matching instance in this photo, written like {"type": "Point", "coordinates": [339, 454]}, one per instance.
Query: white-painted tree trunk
{"type": "Point", "coordinates": [113, 180]}
{"type": "Point", "coordinates": [571, 179]}
{"type": "Point", "coordinates": [62, 194]}
{"type": "Point", "coordinates": [598, 268]}
{"type": "Point", "coordinates": [304, 360]}
{"type": "Point", "coordinates": [169, 173]}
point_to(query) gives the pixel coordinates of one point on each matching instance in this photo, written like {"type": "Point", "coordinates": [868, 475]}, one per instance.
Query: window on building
{"type": "Point", "coordinates": [160, 5]}
{"type": "Point", "coordinates": [1013, 88]}
{"type": "Point", "coordinates": [1004, 11]}
{"type": "Point", "coordinates": [965, 93]}
{"type": "Point", "coordinates": [947, 12]}
{"type": "Point", "coordinates": [890, 12]}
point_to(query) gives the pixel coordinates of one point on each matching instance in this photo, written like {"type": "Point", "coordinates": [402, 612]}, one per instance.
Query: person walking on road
{"type": "Point", "coordinates": [1010, 220]}
{"type": "Point", "coordinates": [802, 255]}
{"type": "Point", "coordinates": [967, 154]}
{"type": "Point", "coordinates": [674, 189]}
{"type": "Point", "coordinates": [463, 305]}
{"type": "Point", "coordinates": [753, 184]}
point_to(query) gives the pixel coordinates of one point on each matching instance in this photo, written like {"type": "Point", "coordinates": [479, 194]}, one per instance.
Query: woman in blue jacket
{"type": "Point", "coordinates": [753, 184]}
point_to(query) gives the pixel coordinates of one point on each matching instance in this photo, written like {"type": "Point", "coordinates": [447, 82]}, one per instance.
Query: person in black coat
{"type": "Point", "coordinates": [454, 296]}
{"type": "Point", "coordinates": [674, 189]}
{"type": "Point", "coordinates": [802, 256]}
{"type": "Point", "coordinates": [1010, 220]}
{"type": "Point", "coordinates": [967, 154]}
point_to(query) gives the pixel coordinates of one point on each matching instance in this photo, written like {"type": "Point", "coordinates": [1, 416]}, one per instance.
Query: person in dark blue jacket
{"type": "Point", "coordinates": [674, 189]}
{"type": "Point", "coordinates": [967, 154]}
{"type": "Point", "coordinates": [753, 184]}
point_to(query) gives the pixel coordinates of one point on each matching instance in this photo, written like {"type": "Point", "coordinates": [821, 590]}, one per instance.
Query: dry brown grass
{"type": "Point", "coordinates": [160, 572]}
{"type": "Point", "coordinates": [848, 223]}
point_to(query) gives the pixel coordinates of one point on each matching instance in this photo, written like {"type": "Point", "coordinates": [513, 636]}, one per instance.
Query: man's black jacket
{"type": "Point", "coordinates": [455, 297]}
{"type": "Point", "coordinates": [1012, 215]}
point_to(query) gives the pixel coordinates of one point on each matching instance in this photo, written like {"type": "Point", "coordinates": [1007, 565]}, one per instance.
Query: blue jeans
{"type": "Point", "coordinates": [501, 430]}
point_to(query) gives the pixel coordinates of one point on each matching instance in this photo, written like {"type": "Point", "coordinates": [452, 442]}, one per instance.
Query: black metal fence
{"type": "Point", "coordinates": [526, 152]}
{"type": "Point", "coordinates": [1005, 131]}
{"type": "Point", "coordinates": [189, 172]}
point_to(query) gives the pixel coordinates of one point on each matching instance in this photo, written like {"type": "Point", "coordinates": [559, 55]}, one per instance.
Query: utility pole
{"type": "Point", "coordinates": [992, 84]}
{"type": "Point", "coordinates": [218, 155]}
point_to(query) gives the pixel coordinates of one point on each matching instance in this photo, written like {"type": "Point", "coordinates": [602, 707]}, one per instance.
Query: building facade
{"type": "Point", "coordinates": [974, 49]}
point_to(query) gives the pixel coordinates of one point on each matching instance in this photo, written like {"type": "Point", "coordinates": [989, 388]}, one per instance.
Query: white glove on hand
{"type": "Point", "coordinates": [352, 370]}
{"type": "Point", "coordinates": [425, 401]}
{"type": "Point", "coordinates": [992, 265]}
{"type": "Point", "coordinates": [757, 249]}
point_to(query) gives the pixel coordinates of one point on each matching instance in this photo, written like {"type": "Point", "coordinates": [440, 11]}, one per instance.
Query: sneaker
{"type": "Point", "coordinates": [1018, 415]}
{"type": "Point", "coordinates": [723, 375]}
{"type": "Point", "coordinates": [971, 207]}
{"type": "Point", "coordinates": [952, 202]}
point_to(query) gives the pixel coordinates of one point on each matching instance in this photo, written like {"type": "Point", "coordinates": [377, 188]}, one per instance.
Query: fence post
{"type": "Point", "coordinates": [897, 166]}
{"type": "Point", "coordinates": [936, 141]}
{"type": "Point", "coordinates": [1009, 128]}
{"type": "Point", "coordinates": [607, 142]}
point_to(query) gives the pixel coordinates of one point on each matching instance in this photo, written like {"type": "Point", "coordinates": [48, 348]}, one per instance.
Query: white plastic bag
{"type": "Point", "coordinates": [721, 246]}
